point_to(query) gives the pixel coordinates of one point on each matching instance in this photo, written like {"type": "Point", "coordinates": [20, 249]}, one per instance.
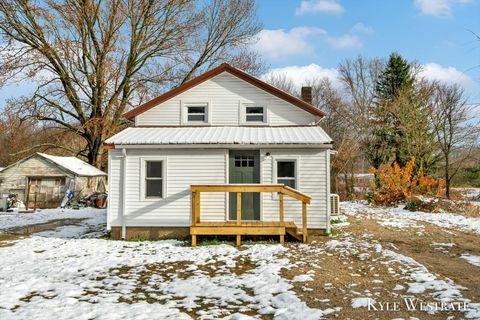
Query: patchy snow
{"type": "Point", "coordinates": [403, 218]}
{"type": "Point", "coordinates": [469, 193]}
{"type": "Point", "coordinates": [11, 220]}
{"type": "Point", "coordinates": [443, 244]}
{"type": "Point", "coordinates": [302, 278]}
{"type": "Point", "coordinates": [475, 260]}
{"type": "Point", "coordinates": [361, 302]}
{"type": "Point", "coordinates": [53, 275]}
{"type": "Point", "coordinates": [417, 278]}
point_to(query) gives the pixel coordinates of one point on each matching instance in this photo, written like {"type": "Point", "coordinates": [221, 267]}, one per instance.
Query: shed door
{"type": "Point", "coordinates": [245, 168]}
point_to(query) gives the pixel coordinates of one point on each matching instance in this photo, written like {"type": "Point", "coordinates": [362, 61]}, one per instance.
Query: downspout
{"type": "Point", "coordinates": [328, 190]}
{"type": "Point", "coordinates": [329, 203]}
{"type": "Point", "coordinates": [124, 194]}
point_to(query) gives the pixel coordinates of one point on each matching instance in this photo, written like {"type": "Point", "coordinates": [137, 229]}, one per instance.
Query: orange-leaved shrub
{"type": "Point", "coordinates": [394, 184]}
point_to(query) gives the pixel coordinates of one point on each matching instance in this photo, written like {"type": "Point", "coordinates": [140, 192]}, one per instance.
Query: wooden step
{"type": "Point", "coordinates": [295, 232]}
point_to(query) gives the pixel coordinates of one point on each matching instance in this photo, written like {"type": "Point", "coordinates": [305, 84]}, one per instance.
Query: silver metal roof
{"type": "Point", "coordinates": [220, 135]}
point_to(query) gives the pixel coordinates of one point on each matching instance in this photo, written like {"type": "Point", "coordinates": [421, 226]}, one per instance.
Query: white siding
{"type": "Point", "coordinates": [184, 167]}
{"type": "Point", "coordinates": [312, 180]}
{"type": "Point", "coordinates": [225, 93]}
{"type": "Point", "coordinates": [114, 187]}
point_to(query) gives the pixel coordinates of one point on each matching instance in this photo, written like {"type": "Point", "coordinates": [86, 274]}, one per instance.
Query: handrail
{"type": "Point", "coordinates": [240, 188]}
{"type": "Point", "coordinates": [246, 187]}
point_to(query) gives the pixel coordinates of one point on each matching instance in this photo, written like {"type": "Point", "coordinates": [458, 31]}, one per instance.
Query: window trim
{"type": "Point", "coordinates": [194, 103]}
{"type": "Point", "coordinates": [143, 178]}
{"type": "Point", "coordinates": [243, 113]}
{"type": "Point", "coordinates": [277, 159]}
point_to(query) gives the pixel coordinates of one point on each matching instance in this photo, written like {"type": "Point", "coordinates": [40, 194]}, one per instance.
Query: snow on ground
{"type": "Point", "coordinates": [475, 260]}
{"type": "Point", "coordinates": [469, 193]}
{"type": "Point", "coordinates": [14, 219]}
{"type": "Point", "coordinates": [400, 218]}
{"type": "Point", "coordinates": [417, 279]}
{"type": "Point", "coordinates": [59, 273]}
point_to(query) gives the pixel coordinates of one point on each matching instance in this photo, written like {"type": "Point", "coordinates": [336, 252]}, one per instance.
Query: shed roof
{"type": "Point", "coordinates": [306, 135]}
{"type": "Point", "coordinates": [75, 165]}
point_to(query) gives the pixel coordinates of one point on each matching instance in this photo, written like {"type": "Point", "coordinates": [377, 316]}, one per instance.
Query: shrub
{"type": "Point", "coordinates": [394, 184]}
{"type": "Point", "coordinates": [413, 204]}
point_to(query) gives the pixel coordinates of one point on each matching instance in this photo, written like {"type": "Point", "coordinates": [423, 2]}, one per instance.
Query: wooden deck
{"type": "Point", "coordinates": [240, 227]}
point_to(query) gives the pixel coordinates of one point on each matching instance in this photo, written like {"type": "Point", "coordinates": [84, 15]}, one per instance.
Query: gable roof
{"type": "Point", "coordinates": [225, 67]}
{"type": "Point", "coordinates": [72, 164]}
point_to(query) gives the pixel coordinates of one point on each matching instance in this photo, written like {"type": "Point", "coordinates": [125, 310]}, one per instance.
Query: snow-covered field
{"type": "Point", "coordinates": [69, 272]}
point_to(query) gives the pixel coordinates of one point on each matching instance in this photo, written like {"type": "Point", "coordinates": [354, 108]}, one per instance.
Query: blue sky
{"type": "Point", "coordinates": [321, 33]}
{"type": "Point", "coordinates": [308, 38]}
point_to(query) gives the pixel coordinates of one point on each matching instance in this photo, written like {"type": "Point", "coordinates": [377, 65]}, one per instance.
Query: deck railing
{"type": "Point", "coordinates": [281, 189]}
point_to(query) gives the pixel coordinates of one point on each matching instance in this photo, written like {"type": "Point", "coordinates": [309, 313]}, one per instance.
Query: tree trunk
{"type": "Point", "coordinates": [447, 178]}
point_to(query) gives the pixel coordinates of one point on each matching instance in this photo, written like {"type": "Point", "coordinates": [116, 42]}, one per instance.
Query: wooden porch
{"type": "Point", "coordinates": [241, 227]}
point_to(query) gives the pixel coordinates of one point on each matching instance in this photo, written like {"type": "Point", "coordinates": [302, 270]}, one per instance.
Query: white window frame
{"type": "Point", "coordinates": [184, 112]}
{"type": "Point", "coordinates": [143, 181]}
{"type": "Point", "coordinates": [277, 159]}
{"type": "Point", "coordinates": [243, 113]}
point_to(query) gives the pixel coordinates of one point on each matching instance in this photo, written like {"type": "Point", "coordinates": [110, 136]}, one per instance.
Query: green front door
{"type": "Point", "coordinates": [245, 168]}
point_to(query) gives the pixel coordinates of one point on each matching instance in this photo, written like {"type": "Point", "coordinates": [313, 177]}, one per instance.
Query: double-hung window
{"type": "Point", "coordinates": [196, 113]}
{"type": "Point", "coordinates": [254, 114]}
{"type": "Point", "coordinates": [286, 173]}
{"type": "Point", "coordinates": [154, 179]}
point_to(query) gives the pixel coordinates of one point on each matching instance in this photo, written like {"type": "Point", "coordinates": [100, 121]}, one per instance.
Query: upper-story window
{"type": "Point", "coordinates": [196, 113]}
{"type": "Point", "coordinates": [253, 114]}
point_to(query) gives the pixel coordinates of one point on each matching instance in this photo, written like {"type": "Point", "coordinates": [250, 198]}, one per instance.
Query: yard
{"type": "Point", "coordinates": [55, 264]}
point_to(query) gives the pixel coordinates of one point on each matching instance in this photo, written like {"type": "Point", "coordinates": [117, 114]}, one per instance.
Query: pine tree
{"type": "Point", "coordinates": [396, 80]}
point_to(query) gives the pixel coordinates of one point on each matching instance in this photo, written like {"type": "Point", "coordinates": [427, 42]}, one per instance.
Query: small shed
{"type": "Point", "coordinates": [41, 180]}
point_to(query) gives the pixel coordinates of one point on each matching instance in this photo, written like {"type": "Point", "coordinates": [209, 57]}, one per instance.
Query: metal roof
{"type": "Point", "coordinates": [220, 135]}
{"type": "Point", "coordinates": [74, 165]}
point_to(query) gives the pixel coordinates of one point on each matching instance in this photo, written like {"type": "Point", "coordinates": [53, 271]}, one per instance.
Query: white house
{"type": "Point", "coordinates": [222, 131]}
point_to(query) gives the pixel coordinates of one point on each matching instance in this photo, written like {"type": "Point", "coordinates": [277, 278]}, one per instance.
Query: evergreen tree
{"type": "Point", "coordinates": [396, 80]}
{"type": "Point", "coordinates": [396, 77]}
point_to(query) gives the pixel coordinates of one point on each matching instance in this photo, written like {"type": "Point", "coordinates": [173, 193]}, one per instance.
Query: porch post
{"type": "Point", "coordinates": [194, 217]}
{"type": "Point", "coordinates": [239, 216]}
{"type": "Point", "coordinates": [282, 220]}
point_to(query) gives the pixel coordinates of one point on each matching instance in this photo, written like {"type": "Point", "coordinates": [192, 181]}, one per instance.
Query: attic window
{"type": "Point", "coordinates": [254, 114]}
{"type": "Point", "coordinates": [197, 113]}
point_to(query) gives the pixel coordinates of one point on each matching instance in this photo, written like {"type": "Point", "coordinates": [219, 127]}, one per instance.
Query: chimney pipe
{"type": "Point", "coordinates": [307, 94]}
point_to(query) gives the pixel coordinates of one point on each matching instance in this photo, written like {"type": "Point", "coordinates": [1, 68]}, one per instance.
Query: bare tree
{"type": "Point", "coordinates": [359, 78]}
{"type": "Point", "coordinates": [456, 132]}
{"type": "Point", "coordinates": [92, 59]}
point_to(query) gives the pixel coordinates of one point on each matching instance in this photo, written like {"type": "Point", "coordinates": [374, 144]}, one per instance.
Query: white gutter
{"type": "Point", "coordinates": [124, 194]}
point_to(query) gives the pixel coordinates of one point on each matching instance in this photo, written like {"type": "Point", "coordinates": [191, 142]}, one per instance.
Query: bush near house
{"type": "Point", "coordinates": [394, 184]}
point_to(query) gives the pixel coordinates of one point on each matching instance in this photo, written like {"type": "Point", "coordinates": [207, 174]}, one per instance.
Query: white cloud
{"type": "Point", "coordinates": [314, 6]}
{"type": "Point", "coordinates": [434, 71]}
{"type": "Point", "coordinates": [279, 44]}
{"type": "Point", "coordinates": [359, 27]}
{"type": "Point", "coordinates": [345, 41]}
{"type": "Point", "coordinates": [438, 7]}
{"type": "Point", "coordinates": [301, 75]}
